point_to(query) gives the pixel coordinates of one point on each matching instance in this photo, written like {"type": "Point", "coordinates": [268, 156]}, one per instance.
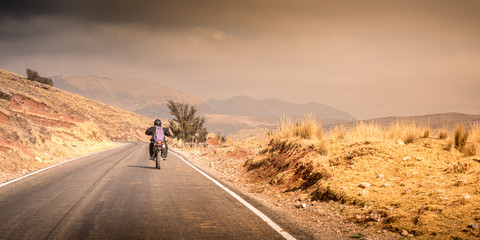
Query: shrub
{"type": "Point", "coordinates": [33, 75]}
{"type": "Point", "coordinates": [221, 138]}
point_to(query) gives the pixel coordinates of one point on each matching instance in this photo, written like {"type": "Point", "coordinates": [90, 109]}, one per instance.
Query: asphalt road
{"type": "Point", "coordinates": [118, 194]}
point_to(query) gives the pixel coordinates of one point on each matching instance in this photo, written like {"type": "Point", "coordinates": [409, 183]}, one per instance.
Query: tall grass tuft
{"type": "Point", "coordinates": [307, 128]}
{"type": "Point", "coordinates": [470, 149]}
{"type": "Point", "coordinates": [304, 128]}
{"type": "Point", "coordinates": [443, 133]}
{"type": "Point", "coordinates": [426, 132]}
{"type": "Point", "coordinates": [339, 132]}
{"type": "Point", "coordinates": [460, 137]}
{"type": "Point", "coordinates": [408, 132]}
{"type": "Point", "coordinates": [475, 132]}
{"type": "Point", "coordinates": [365, 132]}
{"type": "Point", "coordinates": [473, 146]}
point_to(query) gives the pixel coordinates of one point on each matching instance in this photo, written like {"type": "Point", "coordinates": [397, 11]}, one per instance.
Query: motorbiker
{"type": "Point", "coordinates": [151, 131]}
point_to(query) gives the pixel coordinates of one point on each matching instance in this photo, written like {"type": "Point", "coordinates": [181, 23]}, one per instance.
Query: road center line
{"type": "Point", "coordinates": [269, 221]}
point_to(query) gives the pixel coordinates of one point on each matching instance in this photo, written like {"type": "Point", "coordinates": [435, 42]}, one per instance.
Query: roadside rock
{"type": "Point", "coordinates": [461, 181]}
{"type": "Point", "coordinates": [303, 197]}
{"type": "Point", "coordinates": [5, 94]}
{"type": "Point", "coordinates": [300, 205]}
{"type": "Point", "coordinates": [375, 216]}
{"type": "Point", "coordinates": [364, 192]}
{"type": "Point", "coordinates": [364, 185]}
{"type": "Point", "coordinates": [469, 228]}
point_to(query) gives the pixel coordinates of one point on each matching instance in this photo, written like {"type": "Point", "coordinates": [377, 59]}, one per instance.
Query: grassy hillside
{"type": "Point", "coordinates": [41, 125]}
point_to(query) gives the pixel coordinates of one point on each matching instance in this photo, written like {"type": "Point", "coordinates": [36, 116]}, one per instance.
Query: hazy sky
{"type": "Point", "coordinates": [369, 58]}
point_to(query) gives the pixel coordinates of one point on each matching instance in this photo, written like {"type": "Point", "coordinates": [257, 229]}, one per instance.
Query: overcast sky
{"type": "Point", "coordinates": [369, 58]}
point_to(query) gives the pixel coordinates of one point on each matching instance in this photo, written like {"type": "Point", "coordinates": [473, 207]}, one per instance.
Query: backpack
{"type": "Point", "coordinates": [159, 135]}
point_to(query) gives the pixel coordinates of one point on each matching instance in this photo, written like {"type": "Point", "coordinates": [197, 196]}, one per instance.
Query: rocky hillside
{"type": "Point", "coordinates": [41, 125]}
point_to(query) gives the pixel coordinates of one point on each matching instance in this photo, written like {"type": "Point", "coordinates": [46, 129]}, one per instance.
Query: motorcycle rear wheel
{"type": "Point", "coordinates": [157, 161]}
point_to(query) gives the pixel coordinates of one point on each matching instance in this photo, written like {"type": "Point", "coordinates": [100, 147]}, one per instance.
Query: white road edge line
{"type": "Point", "coordinates": [269, 221]}
{"type": "Point", "coordinates": [58, 164]}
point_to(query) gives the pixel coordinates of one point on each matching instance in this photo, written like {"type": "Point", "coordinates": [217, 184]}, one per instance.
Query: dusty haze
{"type": "Point", "coordinates": [369, 58]}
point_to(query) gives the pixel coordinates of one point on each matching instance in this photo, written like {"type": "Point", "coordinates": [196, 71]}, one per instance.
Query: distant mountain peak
{"type": "Point", "coordinates": [275, 108]}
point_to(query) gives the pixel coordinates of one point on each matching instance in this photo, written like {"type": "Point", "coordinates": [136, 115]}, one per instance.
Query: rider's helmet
{"type": "Point", "coordinates": [157, 122]}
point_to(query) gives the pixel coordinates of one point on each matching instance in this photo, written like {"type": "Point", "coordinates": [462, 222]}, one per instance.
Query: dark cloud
{"type": "Point", "coordinates": [150, 12]}
{"type": "Point", "coordinates": [239, 16]}
{"type": "Point", "coordinates": [371, 58]}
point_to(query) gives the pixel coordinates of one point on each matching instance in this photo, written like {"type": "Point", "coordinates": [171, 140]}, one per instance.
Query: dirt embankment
{"type": "Point", "coordinates": [426, 188]}
{"type": "Point", "coordinates": [41, 125]}
{"type": "Point", "coordinates": [321, 219]}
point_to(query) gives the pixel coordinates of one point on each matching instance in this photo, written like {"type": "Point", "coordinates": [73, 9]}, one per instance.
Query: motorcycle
{"type": "Point", "coordinates": [160, 148]}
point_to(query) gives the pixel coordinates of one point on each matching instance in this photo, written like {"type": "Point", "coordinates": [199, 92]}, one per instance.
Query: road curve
{"type": "Point", "coordinates": [118, 194]}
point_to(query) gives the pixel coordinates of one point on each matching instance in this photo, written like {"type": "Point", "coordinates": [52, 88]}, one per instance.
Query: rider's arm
{"type": "Point", "coordinates": [166, 132]}
{"type": "Point", "coordinates": [149, 131]}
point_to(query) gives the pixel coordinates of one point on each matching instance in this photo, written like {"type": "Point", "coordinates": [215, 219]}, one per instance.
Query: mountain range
{"type": "Point", "coordinates": [225, 116]}
{"type": "Point", "coordinates": [239, 116]}
{"type": "Point", "coordinates": [275, 109]}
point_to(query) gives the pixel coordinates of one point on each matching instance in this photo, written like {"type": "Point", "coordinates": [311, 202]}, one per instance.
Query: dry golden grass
{"type": "Point", "coordinates": [475, 132]}
{"type": "Point", "coordinates": [460, 136]}
{"type": "Point", "coordinates": [305, 130]}
{"type": "Point", "coordinates": [421, 184]}
{"type": "Point", "coordinates": [442, 133]}
{"type": "Point", "coordinates": [472, 147]}
{"type": "Point", "coordinates": [371, 132]}
{"type": "Point", "coordinates": [364, 132]}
